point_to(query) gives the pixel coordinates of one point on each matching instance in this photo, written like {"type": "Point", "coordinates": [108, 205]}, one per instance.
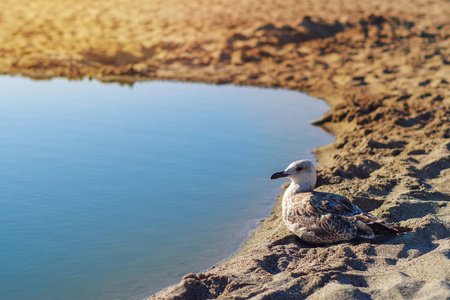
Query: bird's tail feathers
{"type": "Point", "coordinates": [401, 229]}
{"type": "Point", "coordinates": [379, 226]}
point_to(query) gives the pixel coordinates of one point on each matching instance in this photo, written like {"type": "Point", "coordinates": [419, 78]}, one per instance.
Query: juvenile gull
{"type": "Point", "coordinates": [323, 217]}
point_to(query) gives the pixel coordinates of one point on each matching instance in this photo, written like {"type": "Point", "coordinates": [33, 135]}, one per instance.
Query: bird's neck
{"type": "Point", "coordinates": [301, 187]}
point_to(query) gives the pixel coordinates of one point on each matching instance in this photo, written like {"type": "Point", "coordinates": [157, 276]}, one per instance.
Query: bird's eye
{"type": "Point", "coordinates": [299, 169]}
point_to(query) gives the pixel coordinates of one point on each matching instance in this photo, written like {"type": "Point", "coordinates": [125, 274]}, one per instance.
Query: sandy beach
{"type": "Point", "coordinates": [384, 66]}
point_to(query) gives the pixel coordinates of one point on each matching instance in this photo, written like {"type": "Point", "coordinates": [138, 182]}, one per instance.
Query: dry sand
{"type": "Point", "coordinates": [384, 66]}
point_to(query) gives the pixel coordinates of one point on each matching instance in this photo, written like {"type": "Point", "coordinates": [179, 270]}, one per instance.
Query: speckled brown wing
{"type": "Point", "coordinates": [367, 225]}
{"type": "Point", "coordinates": [326, 203]}
{"type": "Point", "coordinates": [326, 218]}
{"type": "Point", "coordinates": [319, 218]}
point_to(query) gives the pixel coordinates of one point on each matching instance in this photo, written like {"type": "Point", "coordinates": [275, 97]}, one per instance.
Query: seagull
{"type": "Point", "coordinates": [322, 218]}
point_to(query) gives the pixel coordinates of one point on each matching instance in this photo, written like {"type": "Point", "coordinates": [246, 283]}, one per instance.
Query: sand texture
{"type": "Point", "coordinates": [384, 66]}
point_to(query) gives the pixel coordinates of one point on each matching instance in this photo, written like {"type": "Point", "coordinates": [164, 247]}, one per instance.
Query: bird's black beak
{"type": "Point", "coordinates": [278, 175]}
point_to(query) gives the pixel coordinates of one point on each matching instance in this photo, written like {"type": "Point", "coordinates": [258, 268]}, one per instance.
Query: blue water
{"type": "Point", "coordinates": [115, 192]}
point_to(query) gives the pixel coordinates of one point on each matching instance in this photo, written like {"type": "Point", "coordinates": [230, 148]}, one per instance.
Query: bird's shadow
{"type": "Point", "coordinates": [294, 239]}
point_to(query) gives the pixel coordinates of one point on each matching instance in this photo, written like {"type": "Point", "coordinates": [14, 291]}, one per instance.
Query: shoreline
{"type": "Point", "coordinates": [384, 68]}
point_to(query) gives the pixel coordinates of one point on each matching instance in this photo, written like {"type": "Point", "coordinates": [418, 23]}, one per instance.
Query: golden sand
{"type": "Point", "coordinates": [384, 66]}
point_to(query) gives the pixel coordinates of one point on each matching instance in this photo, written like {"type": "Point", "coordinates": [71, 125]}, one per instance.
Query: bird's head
{"type": "Point", "coordinates": [301, 172]}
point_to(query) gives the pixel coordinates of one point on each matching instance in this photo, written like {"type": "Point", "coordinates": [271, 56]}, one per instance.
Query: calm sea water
{"type": "Point", "coordinates": [112, 192]}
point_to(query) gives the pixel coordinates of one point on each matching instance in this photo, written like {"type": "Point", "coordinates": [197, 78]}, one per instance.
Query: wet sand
{"type": "Point", "coordinates": [384, 66]}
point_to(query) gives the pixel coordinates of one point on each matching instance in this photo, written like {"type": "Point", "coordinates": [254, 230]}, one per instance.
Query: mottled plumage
{"type": "Point", "coordinates": [323, 217]}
